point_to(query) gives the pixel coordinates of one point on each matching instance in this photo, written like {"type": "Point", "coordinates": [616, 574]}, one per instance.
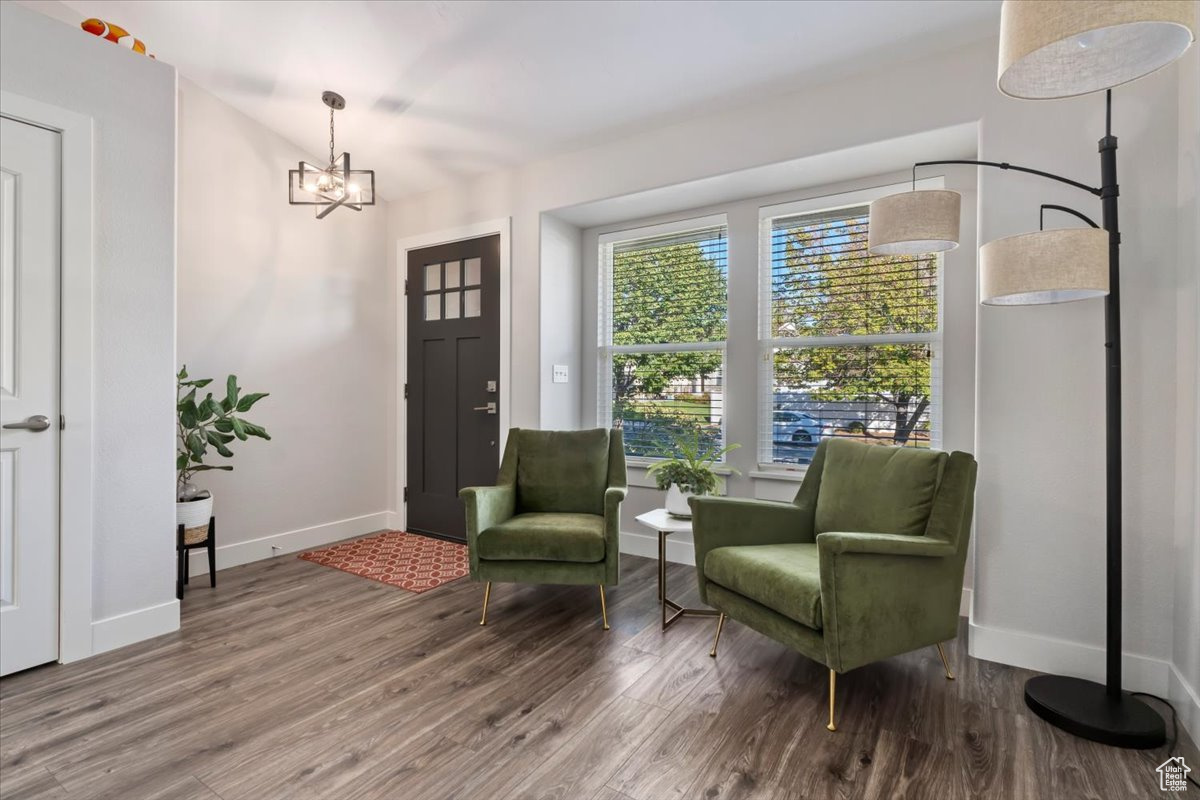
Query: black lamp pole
{"type": "Point", "coordinates": [1102, 713]}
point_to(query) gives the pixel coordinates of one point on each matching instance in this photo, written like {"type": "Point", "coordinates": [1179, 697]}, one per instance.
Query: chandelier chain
{"type": "Point", "coordinates": [330, 137]}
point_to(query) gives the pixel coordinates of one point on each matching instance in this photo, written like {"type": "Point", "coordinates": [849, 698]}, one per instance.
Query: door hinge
{"type": "Point", "coordinates": [405, 391]}
{"type": "Point", "coordinates": [62, 422]}
{"type": "Point", "coordinates": [406, 287]}
{"type": "Point", "coordinates": [406, 494]}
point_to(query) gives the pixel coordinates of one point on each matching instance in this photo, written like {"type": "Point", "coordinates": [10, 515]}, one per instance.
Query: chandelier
{"type": "Point", "coordinates": [333, 186]}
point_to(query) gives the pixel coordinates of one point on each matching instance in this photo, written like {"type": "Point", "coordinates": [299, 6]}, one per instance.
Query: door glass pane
{"type": "Point", "coordinates": [433, 277]}
{"type": "Point", "coordinates": [471, 303]}
{"type": "Point", "coordinates": [472, 270]}
{"type": "Point", "coordinates": [452, 274]}
{"type": "Point", "coordinates": [433, 306]}
{"type": "Point", "coordinates": [451, 305]}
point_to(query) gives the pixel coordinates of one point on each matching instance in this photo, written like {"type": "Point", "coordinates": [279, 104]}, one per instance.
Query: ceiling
{"type": "Point", "coordinates": [440, 90]}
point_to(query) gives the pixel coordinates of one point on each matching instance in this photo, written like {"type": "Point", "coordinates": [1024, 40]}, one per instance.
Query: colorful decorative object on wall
{"type": "Point", "coordinates": [114, 33]}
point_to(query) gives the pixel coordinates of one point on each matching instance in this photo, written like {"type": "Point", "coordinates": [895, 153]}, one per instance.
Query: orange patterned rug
{"type": "Point", "coordinates": [412, 562]}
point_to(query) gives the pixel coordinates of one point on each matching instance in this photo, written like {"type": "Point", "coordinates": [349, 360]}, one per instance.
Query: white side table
{"type": "Point", "coordinates": [659, 520]}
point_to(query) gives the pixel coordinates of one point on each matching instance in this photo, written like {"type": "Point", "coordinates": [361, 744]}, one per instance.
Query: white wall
{"type": "Point", "coordinates": [562, 333]}
{"type": "Point", "coordinates": [294, 306]}
{"type": "Point", "coordinates": [1041, 443]}
{"type": "Point", "coordinates": [1185, 686]}
{"type": "Point", "coordinates": [131, 100]}
{"type": "Point", "coordinates": [1039, 375]}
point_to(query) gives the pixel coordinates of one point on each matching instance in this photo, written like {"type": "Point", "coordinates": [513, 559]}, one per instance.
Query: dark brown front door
{"type": "Point", "coordinates": [453, 388]}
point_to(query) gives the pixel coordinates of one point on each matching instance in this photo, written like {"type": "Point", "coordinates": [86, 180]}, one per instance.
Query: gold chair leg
{"type": "Point", "coordinates": [832, 695]}
{"type": "Point", "coordinates": [603, 608]}
{"type": "Point", "coordinates": [720, 625]}
{"type": "Point", "coordinates": [487, 592]}
{"type": "Point", "coordinates": [945, 663]}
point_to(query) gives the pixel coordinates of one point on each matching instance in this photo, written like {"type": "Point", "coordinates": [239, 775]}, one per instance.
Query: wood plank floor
{"type": "Point", "coordinates": [295, 681]}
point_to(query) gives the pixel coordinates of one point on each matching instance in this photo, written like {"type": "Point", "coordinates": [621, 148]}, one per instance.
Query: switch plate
{"type": "Point", "coordinates": [560, 373]}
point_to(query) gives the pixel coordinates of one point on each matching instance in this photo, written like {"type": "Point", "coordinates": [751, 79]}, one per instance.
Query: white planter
{"type": "Point", "coordinates": [677, 502]}
{"type": "Point", "coordinates": [194, 513]}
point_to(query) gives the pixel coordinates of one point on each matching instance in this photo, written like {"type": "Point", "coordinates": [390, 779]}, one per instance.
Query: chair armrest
{"type": "Point", "coordinates": [724, 522]}
{"type": "Point", "coordinates": [885, 594]}
{"type": "Point", "coordinates": [613, 496]}
{"type": "Point", "coordinates": [486, 506]}
{"type": "Point", "coordinates": [884, 544]}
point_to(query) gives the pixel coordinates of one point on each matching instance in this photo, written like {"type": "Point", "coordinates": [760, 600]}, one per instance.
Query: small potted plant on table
{"type": "Point", "coordinates": [203, 424]}
{"type": "Point", "coordinates": [691, 473]}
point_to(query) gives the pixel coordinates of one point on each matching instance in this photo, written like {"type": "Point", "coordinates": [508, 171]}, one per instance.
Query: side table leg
{"type": "Point", "coordinates": [180, 562]}
{"type": "Point", "coordinates": [212, 552]}
{"type": "Point", "coordinates": [662, 576]}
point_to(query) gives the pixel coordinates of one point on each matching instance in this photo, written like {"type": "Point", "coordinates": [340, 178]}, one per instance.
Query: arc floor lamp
{"type": "Point", "coordinates": [1053, 49]}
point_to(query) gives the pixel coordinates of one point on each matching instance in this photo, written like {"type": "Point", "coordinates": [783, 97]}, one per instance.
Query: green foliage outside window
{"type": "Point", "coordinates": [671, 293]}
{"type": "Point", "coordinates": [827, 284]}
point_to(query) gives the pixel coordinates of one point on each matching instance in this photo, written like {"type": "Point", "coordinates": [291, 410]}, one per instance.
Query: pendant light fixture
{"type": "Point", "coordinates": [333, 186]}
{"type": "Point", "coordinates": [1052, 49]}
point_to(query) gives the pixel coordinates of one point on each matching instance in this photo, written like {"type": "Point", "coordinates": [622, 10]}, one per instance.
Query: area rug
{"type": "Point", "coordinates": [412, 562]}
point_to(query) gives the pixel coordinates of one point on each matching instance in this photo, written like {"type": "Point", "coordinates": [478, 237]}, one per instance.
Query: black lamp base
{"type": "Point", "coordinates": [1085, 709]}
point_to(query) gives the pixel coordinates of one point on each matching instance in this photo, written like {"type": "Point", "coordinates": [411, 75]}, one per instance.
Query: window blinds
{"type": "Point", "coordinates": [663, 324]}
{"type": "Point", "coordinates": [853, 339]}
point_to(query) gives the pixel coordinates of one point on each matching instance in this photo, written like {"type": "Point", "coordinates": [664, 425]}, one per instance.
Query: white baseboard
{"type": "Point", "coordinates": [679, 551]}
{"type": "Point", "coordinates": [1186, 700]}
{"type": "Point", "coordinates": [134, 626]}
{"type": "Point", "coordinates": [1062, 657]}
{"type": "Point", "coordinates": [237, 553]}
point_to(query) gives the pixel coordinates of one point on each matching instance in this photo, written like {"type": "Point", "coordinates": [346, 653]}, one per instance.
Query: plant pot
{"type": "Point", "coordinates": [677, 502]}
{"type": "Point", "coordinates": [193, 516]}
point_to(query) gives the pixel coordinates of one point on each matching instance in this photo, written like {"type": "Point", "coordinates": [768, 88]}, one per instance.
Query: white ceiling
{"type": "Point", "coordinates": [439, 90]}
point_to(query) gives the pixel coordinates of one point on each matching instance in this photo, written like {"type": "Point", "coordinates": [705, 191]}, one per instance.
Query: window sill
{"type": "Point", "coordinates": [790, 475]}
{"type": "Point", "coordinates": [646, 463]}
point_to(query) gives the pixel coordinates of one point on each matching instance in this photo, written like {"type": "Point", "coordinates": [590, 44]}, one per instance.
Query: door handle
{"type": "Point", "coordinates": [489, 408]}
{"type": "Point", "coordinates": [36, 423]}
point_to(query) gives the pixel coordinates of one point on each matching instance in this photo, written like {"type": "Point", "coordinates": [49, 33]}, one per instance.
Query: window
{"type": "Point", "coordinates": [662, 327]}
{"type": "Point", "coordinates": [443, 299]}
{"type": "Point", "coordinates": [850, 342]}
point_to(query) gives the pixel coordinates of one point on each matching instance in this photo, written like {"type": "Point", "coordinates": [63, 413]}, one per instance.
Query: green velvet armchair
{"type": "Point", "coordinates": [865, 563]}
{"type": "Point", "coordinates": [553, 515]}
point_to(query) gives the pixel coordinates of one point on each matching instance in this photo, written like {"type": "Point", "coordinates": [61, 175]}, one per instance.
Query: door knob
{"type": "Point", "coordinates": [489, 408]}
{"type": "Point", "coordinates": [36, 423]}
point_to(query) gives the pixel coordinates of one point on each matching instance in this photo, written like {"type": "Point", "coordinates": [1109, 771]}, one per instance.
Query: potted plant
{"type": "Point", "coordinates": [691, 473]}
{"type": "Point", "coordinates": [201, 425]}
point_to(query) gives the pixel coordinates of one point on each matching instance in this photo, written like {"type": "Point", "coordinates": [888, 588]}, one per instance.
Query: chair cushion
{"type": "Point", "coordinates": [564, 471]}
{"type": "Point", "coordinates": [783, 577]}
{"type": "Point", "coordinates": [867, 488]}
{"type": "Point", "coordinates": [578, 538]}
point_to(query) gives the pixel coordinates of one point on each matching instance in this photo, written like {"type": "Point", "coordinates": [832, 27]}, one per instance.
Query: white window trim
{"type": "Point", "coordinates": [766, 343]}
{"type": "Point", "coordinates": [605, 349]}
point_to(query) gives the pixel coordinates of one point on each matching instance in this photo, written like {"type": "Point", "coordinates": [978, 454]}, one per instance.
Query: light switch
{"type": "Point", "coordinates": [560, 373]}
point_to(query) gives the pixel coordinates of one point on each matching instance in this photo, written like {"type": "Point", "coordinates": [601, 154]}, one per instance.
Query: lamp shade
{"type": "Point", "coordinates": [1044, 267]}
{"type": "Point", "coordinates": [924, 221]}
{"type": "Point", "coordinates": [1063, 48]}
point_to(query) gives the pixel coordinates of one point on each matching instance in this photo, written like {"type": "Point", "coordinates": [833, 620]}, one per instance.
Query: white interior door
{"type": "Point", "coordinates": [29, 369]}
